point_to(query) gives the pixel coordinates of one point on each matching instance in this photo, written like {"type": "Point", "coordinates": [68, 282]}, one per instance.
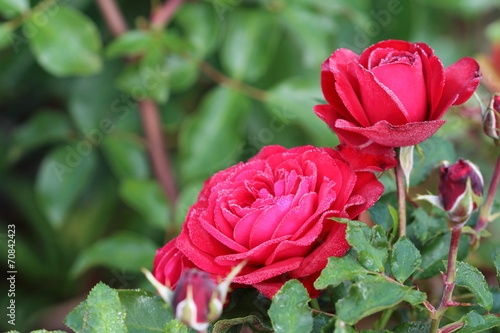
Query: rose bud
{"type": "Point", "coordinates": [197, 299]}
{"type": "Point", "coordinates": [460, 190]}
{"type": "Point", "coordinates": [491, 118]}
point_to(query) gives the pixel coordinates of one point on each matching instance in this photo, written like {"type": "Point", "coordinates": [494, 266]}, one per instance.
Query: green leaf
{"type": "Point", "coordinates": [13, 8]}
{"type": "Point", "coordinates": [341, 327]}
{"type": "Point", "coordinates": [124, 250]}
{"type": "Point", "coordinates": [412, 327]}
{"type": "Point", "coordinates": [292, 101]}
{"type": "Point", "coordinates": [43, 128]}
{"type": "Point", "coordinates": [244, 61]}
{"type": "Point", "coordinates": [405, 259]}
{"type": "Point", "coordinates": [146, 312]}
{"type": "Point", "coordinates": [474, 322]}
{"type": "Point", "coordinates": [246, 305]}
{"type": "Point", "coordinates": [45, 331]}
{"type": "Point", "coordinates": [289, 310]}
{"type": "Point", "coordinates": [340, 269]}
{"type": "Point", "coordinates": [201, 27]}
{"type": "Point", "coordinates": [368, 296]}
{"type": "Point", "coordinates": [6, 35]}
{"type": "Point", "coordinates": [415, 297]}
{"type": "Point", "coordinates": [434, 252]}
{"type": "Point", "coordinates": [176, 326]}
{"type": "Point", "coordinates": [212, 138]}
{"type": "Point", "coordinates": [471, 278]}
{"type": "Point", "coordinates": [426, 227]}
{"type": "Point", "coordinates": [131, 43]}
{"type": "Point", "coordinates": [100, 312]}
{"type": "Point", "coordinates": [147, 198]}
{"type": "Point", "coordinates": [310, 32]}
{"type": "Point", "coordinates": [74, 319]}
{"type": "Point", "coordinates": [68, 44]}
{"type": "Point", "coordinates": [126, 156]}
{"type": "Point", "coordinates": [63, 175]}
{"type": "Point", "coordinates": [370, 243]}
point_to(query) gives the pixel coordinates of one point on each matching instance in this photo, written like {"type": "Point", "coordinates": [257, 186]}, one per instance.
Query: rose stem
{"type": "Point", "coordinates": [485, 211]}
{"type": "Point", "coordinates": [400, 184]}
{"type": "Point", "coordinates": [162, 15]}
{"type": "Point", "coordinates": [450, 277]}
{"type": "Point", "coordinates": [148, 108]}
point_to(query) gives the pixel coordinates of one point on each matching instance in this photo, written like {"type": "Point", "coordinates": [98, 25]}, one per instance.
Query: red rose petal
{"type": "Point", "coordinates": [461, 80]}
{"type": "Point", "coordinates": [379, 102]}
{"type": "Point", "coordinates": [388, 135]}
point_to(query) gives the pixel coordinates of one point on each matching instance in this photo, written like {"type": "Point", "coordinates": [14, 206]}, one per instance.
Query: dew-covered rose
{"type": "Point", "coordinates": [273, 211]}
{"type": "Point", "coordinates": [393, 94]}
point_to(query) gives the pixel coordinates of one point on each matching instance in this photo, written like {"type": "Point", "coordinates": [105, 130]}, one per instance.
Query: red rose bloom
{"type": "Point", "coordinates": [393, 94]}
{"type": "Point", "coordinates": [273, 211]}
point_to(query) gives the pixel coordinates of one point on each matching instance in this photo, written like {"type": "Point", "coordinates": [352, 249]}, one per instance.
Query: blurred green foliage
{"type": "Point", "coordinates": [230, 76]}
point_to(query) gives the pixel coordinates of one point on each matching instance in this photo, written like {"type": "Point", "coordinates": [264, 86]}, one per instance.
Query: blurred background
{"type": "Point", "coordinates": [226, 78]}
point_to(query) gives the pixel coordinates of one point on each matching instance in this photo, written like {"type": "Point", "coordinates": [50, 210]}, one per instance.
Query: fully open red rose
{"type": "Point", "coordinates": [273, 211]}
{"type": "Point", "coordinates": [393, 94]}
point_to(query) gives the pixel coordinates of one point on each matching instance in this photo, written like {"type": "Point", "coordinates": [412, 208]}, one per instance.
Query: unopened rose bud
{"type": "Point", "coordinates": [197, 299]}
{"type": "Point", "coordinates": [491, 118]}
{"type": "Point", "coordinates": [460, 190]}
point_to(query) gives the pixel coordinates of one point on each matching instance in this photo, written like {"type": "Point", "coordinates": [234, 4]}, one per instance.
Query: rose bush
{"type": "Point", "coordinates": [274, 212]}
{"type": "Point", "coordinates": [393, 94]}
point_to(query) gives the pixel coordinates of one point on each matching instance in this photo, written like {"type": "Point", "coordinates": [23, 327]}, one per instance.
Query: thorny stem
{"type": "Point", "coordinates": [485, 211]}
{"type": "Point", "coordinates": [148, 110]}
{"type": "Point", "coordinates": [401, 190]}
{"type": "Point", "coordinates": [450, 277]}
{"type": "Point", "coordinates": [162, 15]}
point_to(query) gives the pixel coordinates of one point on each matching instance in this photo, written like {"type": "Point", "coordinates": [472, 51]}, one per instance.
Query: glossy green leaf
{"type": "Point", "coordinates": [126, 156]}
{"type": "Point", "coordinates": [6, 36]}
{"type": "Point", "coordinates": [368, 296]}
{"type": "Point", "coordinates": [147, 198]}
{"type": "Point", "coordinates": [310, 32]}
{"type": "Point", "coordinates": [474, 322]}
{"type": "Point", "coordinates": [44, 331]}
{"type": "Point", "coordinates": [62, 177]}
{"type": "Point", "coordinates": [289, 310]}
{"type": "Point", "coordinates": [67, 44]}
{"type": "Point", "coordinates": [415, 297]}
{"type": "Point", "coordinates": [100, 312]}
{"type": "Point", "coordinates": [212, 139]}
{"type": "Point", "coordinates": [131, 43]}
{"type": "Point", "coordinates": [182, 73]}
{"type": "Point", "coordinates": [292, 102]}
{"type": "Point", "coordinates": [340, 269]}
{"type": "Point", "coordinates": [43, 128]}
{"type": "Point", "coordinates": [471, 278]}
{"type": "Point", "coordinates": [412, 327]}
{"type": "Point", "coordinates": [175, 326]}
{"type": "Point", "coordinates": [426, 227]}
{"type": "Point", "coordinates": [243, 60]}
{"type": "Point", "coordinates": [201, 27]}
{"type": "Point", "coordinates": [12, 8]}
{"type": "Point", "coordinates": [405, 259]}
{"type": "Point", "coordinates": [147, 79]}
{"type": "Point", "coordinates": [124, 251]}
{"type": "Point", "coordinates": [436, 251]}
{"type": "Point", "coordinates": [247, 306]}
{"type": "Point", "coordinates": [146, 312]}
{"type": "Point", "coordinates": [370, 243]}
